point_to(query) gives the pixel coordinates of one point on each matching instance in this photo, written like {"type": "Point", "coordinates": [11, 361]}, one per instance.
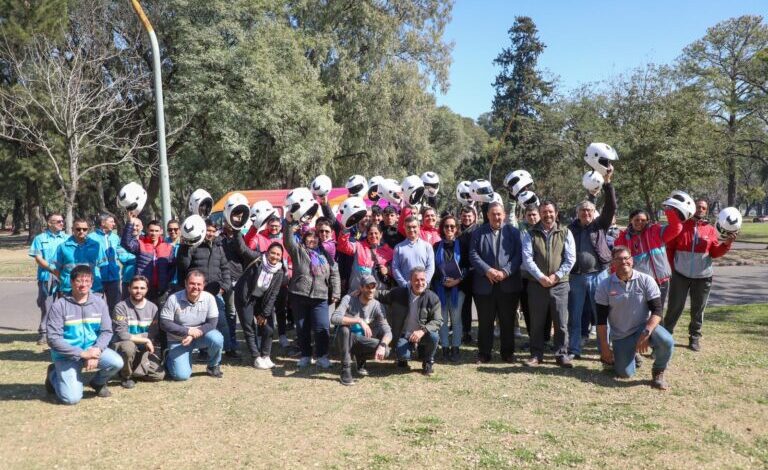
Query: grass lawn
{"type": "Point", "coordinates": [465, 416]}
{"type": "Point", "coordinates": [754, 232]}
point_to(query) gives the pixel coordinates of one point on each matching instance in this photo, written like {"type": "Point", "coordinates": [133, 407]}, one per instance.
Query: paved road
{"type": "Point", "coordinates": [745, 285]}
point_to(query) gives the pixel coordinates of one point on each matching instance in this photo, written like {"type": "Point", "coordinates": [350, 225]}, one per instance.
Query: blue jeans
{"type": "Point", "coordinates": [179, 361]}
{"type": "Point", "coordinates": [661, 342]}
{"type": "Point", "coordinates": [67, 378]}
{"type": "Point", "coordinates": [582, 291]}
{"type": "Point", "coordinates": [311, 316]}
{"type": "Point", "coordinates": [452, 312]}
{"type": "Point", "coordinates": [225, 326]}
{"type": "Point", "coordinates": [429, 341]}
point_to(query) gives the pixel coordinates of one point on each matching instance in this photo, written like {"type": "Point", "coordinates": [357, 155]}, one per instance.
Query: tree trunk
{"type": "Point", "coordinates": [18, 215]}
{"type": "Point", "coordinates": [69, 209]}
{"type": "Point", "coordinates": [731, 159]}
{"type": "Point", "coordinates": [34, 212]}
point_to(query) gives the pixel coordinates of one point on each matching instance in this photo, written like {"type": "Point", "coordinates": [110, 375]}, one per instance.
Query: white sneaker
{"type": "Point", "coordinates": [304, 362]}
{"type": "Point", "coordinates": [268, 362]}
{"type": "Point", "coordinates": [324, 362]}
{"type": "Point", "coordinates": [260, 364]}
{"type": "Point", "coordinates": [284, 341]}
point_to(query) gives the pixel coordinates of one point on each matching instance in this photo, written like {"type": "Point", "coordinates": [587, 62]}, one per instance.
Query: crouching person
{"type": "Point", "coordinates": [136, 328]}
{"type": "Point", "coordinates": [79, 329]}
{"type": "Point", "coordinates": [630, 302]}
{"type": "Point", "coordinates": [416, 316]}
{"type": "Point", "coordinates": [363, 329]}
{"type": "Point", "coordinates": [189, 318]}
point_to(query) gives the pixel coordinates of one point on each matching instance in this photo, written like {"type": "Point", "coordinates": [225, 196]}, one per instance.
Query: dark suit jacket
{"type": "Point", "coordinates": [482, 258]}
{"type": "Point", "coordinates": [397, 302]}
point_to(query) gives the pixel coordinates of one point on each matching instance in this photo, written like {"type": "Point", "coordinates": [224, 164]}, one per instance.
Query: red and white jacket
{"type": "Point", "coordinates": [649, 246]}
{"type": "Point", "coordinates": [691, 253]}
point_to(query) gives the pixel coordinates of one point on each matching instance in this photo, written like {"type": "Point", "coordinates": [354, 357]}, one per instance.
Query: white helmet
{"type": "Point", "coordinates": [481, 190]}
{"type": "Point", "coordinates": [464, 193]}
{"type": "Point", "coordinates": [391, 191]}
{"type": "Point", "coordinates": [683, 202]}
{"type": "Point", "coordinates": [497, 198]}
{"type": "Point", "coordinates": [728, 221]}
{"type": "Point", "coordinates": [374, 188]}
{"type": "Point", "coordinates": [413, 189]}
{"type": "Point", "coordinates": [431, 183]}
{"type": "Point", "coordinates": [528, 199]}
{"type": "Point", "coordinates": [193, 230]}
{"type": "Point", "coordinates": [321, 186]}
{"type": "Point", "coordinates": [592, 181]}
{"type": "Point", "coordinates": [599, 156]}
{"type": "Point", "coordinates": [261, 211]}
{"type": "Point", "coordinates": [357, 186]}
{"type": "Point", "coordinates": [300, 205]}
{"type": "Point", "coordinates": [236, 207]}
{"type": "Point", "coordinates": [200, 203]}
{"type": "Point", "coordinates": [517, 181]}
{"type": "Point", "coordinates": [353, 210]}
{"type": "Point", "coordinates": [132, 197]}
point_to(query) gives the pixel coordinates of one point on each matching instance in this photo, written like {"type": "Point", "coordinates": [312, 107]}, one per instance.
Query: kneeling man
{"type": "Point", "coordinates": [189, 318]}
{"type": "Point", "coordinates": [363, 331]}
{"type": "Point", "coordinates": [79, 329]}
{"type": "Point", "coordinates": [136, 335]}
{"type": "Point", "coordinates": [630, 302]}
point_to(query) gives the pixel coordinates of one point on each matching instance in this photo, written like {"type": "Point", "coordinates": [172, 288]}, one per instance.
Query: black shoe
{"type": "Point", "coordinates": [446, 353]}
{"type": "Point", "coordinates": [361, 370]}
{"type": "Point", "coordinates": [346, 376]}
{"type": "Point", "coordinates": [214, 371]}
{"type": "Point", "coordinates": [48, 384]}
{"type": "Point", "coordinates": [455, 354]}
{"type": "Point", "coordinates": [511, 359]}
{"type": "Point", "coordinates": [127, 383]}
{"type": "Point", "coordinates": [42, 340]}
{"type": "Point", "coordinates": [466, 339]}
{"type": "Point", "coordinates": [693, 344]}
{"type": "Point", "coordinates": [426, 368]}
{"type": "Point", "coordinates": [233, 354]}
{"type": "Point", "coordinates": [403, 364]}
{"type": "Point", "coordinates": [482, 359]}
{"type": "Point", "coordinates": [101, 390]}
{"type": "Point", "coordinates": [578, 356]}
{"type": "Point", "coordinates": [638, 360]}
{"type": "Point", "coordinates": [565, 362]}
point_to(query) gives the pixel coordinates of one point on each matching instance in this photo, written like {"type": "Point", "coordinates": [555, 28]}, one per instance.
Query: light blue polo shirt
{"type": "Point", "coordinates": [70, 254]}
{"type": "Point", "coordinates": [45, 245]}
{"type": "Point", "coordinates": [628, 302]}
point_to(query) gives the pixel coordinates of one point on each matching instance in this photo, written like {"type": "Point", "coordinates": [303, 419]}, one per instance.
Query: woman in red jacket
{"type": "Point", "coordinates": [648, 243]}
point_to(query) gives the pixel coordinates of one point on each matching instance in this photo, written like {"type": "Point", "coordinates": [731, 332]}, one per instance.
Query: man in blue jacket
{"type": "Point", "coordinates": [110, 273]}
{"type": "Point", "coordinates": [79, 329]}
{"type": "Point", "coordinates": [79, 250]}
{"type": "Point", "coordinates": [495, 254]}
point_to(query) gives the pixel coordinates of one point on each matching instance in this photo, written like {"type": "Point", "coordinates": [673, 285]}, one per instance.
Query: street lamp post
{"type": "Point", "coordinates": [165, 186]}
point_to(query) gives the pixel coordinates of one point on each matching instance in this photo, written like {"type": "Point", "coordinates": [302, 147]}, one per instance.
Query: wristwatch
{"type": "Point", "coordinates": [646, 332]}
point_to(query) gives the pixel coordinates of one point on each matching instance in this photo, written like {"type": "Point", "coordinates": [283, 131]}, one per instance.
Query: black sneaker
{"type": "Point", "coordinates": [693, 344]}
{"type": "Point", "coordinates": [346, 376]}
{"type": "Point", "coordinates": [361, 370]}
{"type": "Point", "coordinates": [214, 371]}
{"type": "Point", "coordinates": [403, 364]}
{"type": "Point", "coordinates": [446, 353]}
{"type": "Point", "coordinates": [48, 384]}
{"type": "Point", "coordinates": [466, 339]}
{"type": "Point", "coordinates": [455, 355]}
{"type": "Point", "coordinates": [127, 383]}
{"type": "Point", "coordinates": [102, 391]}
{"type": "Point", "coordinates": [426, 368]}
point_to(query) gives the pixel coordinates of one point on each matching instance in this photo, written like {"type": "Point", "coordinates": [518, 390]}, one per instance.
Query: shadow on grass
{"type": "Point", "coordinates": [605, 378]}
{"type": "Point", "coordinates": [7, 338]}
{"type": "Point", "coordinates": [26, 392]}
{"type": "Point", "coordinates": [26, 355]}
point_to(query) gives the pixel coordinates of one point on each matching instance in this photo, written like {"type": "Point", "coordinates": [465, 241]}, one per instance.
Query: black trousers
{"type": "Point", "coordinates": [553, 301]}
{"type": "Point", "coordinates": [361, 347]}
{"type": "Point", "coordinates": [251, 330]}
{"type": "Point", "coordinates": [501, 305]}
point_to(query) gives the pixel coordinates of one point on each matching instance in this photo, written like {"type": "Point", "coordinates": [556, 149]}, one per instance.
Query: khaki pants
{"type": "Point", "coordinates": [138, 363]}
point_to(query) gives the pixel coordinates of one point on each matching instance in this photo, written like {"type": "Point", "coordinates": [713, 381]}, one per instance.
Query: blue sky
{"type": "Point", "coordinates": [587, 41]}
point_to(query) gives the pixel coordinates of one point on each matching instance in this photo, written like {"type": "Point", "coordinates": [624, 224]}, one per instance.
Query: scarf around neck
{"type": "Point", "coordinates": [268, 270]}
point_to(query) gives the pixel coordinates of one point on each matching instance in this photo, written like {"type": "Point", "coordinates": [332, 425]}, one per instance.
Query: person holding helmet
{"type": "Point", "coordinates": [209, 258]}
{"type": "Point", "coordinates": [128, 262]}
{"type": "Point", "coordinates": [593, 257]}
{"type": "Point", "coordinates": [549, 252]}
{"type": "Point", "coordinates": [369, 257]}
{"type": "Point", "coordinates": [315, 280]}
{"type": "Point", "coordinates": [692, 252]}
{"type": "Point", "coordinates": [155, 258]}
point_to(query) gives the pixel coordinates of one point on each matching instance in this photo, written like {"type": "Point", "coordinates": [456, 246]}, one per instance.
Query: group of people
{"type": "Point", "coordinates": [400, 282]}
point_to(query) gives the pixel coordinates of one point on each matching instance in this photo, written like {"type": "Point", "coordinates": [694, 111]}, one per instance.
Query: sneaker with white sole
{"type": "Point", "coordinates": [323, 362]}
{"type": "Point", "coordinates": [259, 363]}
{"type": "Point", "coordinates": [304, 362]}
{"type": "Point", "coordinates": [268, 362]}
{"type": "Point", "coordinates": [284, 343]}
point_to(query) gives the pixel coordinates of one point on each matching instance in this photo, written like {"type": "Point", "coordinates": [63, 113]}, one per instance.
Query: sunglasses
{"type": "Point", "coordinates": [80, 229]}
{"type": "Point", "coordinates": [173, 229]}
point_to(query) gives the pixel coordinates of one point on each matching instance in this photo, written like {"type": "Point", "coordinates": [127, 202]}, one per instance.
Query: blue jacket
{"type": "Point", "coordinates": [71, 328]}
{"type": "Point", "coordinates": [110, 272]}
{"type": "Point", "coordinates": [70, 254]}
{"type": "Point", "coordinates": [45, 245]}
{"type": "Point", "coordinates": [482, 258]}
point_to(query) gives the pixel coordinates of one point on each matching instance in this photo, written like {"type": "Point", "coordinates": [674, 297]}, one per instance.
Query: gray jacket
{"type": "Point", "coordinates": [373, 314]}
{"type": "Point", "coordinates": [398, 300]}
{"type": "Point", "coordinates": [303, 282]}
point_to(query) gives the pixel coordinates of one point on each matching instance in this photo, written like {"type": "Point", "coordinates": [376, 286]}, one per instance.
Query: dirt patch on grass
{"type": "Point", "coordinates": [489, 416]}
{"type": "Point", "coordinates": [742, 258]}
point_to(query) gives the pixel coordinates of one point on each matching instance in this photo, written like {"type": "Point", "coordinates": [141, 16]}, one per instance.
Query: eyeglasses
{"type": "Point", "coordinates": [623, 258]}
{"type": "Point", "coordinates": [173, 229]}
{"type": "Point", "coordinates": [80, 229]}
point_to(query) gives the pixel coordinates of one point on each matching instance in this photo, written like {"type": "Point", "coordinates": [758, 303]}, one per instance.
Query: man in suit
{"type": "Point", "coordinates": [495, 254]}
{"type": "Point", "coordinates": [415, 316]}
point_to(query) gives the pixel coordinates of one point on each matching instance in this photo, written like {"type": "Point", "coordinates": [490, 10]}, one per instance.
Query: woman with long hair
{"type": "Point", "coordinates": [451, 265]}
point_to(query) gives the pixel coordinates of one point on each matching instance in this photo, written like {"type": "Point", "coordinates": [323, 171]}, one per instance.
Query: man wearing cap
{"type": "Point", "coordinates": [364, 331]}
